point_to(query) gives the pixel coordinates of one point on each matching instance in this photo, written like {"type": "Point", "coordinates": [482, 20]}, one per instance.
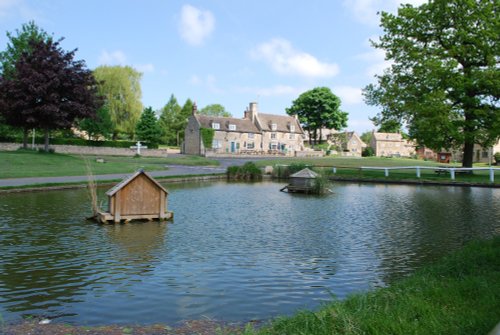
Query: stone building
{"type": "Point", "coordinates": [256, 133]}
{"type": "Point", "coordinates": [391, 145]}
{"type": "Point", "coordinates": [347, 143]}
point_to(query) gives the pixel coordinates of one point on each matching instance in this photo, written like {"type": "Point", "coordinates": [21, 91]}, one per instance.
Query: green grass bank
{"type": "Point", "coordinates": [27, 163]}
{"type": "Point", "coordinates": [460, 294]}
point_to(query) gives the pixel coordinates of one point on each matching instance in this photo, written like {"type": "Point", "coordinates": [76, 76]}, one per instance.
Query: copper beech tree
{"type": "Point", "coordinates": [48, 90]}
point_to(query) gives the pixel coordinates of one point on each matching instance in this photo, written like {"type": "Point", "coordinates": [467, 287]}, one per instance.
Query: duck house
{"type": "Point", "coordinates": [301, 182]}
{"type": "Point", "coordinates": [138, 197]}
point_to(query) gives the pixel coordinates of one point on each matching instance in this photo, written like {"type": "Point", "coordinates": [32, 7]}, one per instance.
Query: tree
{"type": "Point", "coordinates": [147, 128]}
{"type": "Point", "coordinates": [47, 90]}
{"type": "Point", "coordinates": [366, 137]}
{"type": "Point", "coordinates": [318, 108]}
{"type": "Point", "coordinates": [186, 111]}
{"type": "Point", "coordinates": [121, 88]}
{"type": "Point", "coordinates": [20, 44]}
{"type": "Point", "coordinates": [215, 110]}
{"type": "Point", "coordinates": [444, 82]}
{"type": "Point", "coordinates": [169, 116]}
{"type": "Point", "coordinates": [101, 125]}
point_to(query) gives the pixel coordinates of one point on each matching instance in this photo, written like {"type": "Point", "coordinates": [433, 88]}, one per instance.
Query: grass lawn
{"type": "Point", "coordinates": [348, 167]}
{"type": "Point", "coordinates": [460, 294]}
{"type": "Point", "coordinates": [21, 163]}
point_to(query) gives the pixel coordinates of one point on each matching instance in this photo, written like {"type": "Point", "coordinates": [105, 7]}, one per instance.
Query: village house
{"type": "Point", "coordinates": [391, 145]}
{"type": "Point", "coordinates": [255, 133]}
{"type": "Point", "coordinates": [347, 143]}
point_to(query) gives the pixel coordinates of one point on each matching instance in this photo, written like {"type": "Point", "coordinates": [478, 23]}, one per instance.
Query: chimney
{"type": "Point", "coordinates": [253, 111]}
{"type": "Point", "coordinates": [195, 108]}
{"type": "Point", "coordinates": [246, 114]}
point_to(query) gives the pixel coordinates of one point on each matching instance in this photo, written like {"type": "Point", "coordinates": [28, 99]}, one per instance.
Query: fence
{"type": "Point", "coordinates": [451, 170]}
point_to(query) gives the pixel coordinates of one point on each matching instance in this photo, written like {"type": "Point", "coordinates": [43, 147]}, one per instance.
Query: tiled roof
{"type": "Point", "coordinates": [304, 173]}
{"type": "Point", "coordinates": [242, 125]}
{"type": "Point", "coordinates": [283, 123]}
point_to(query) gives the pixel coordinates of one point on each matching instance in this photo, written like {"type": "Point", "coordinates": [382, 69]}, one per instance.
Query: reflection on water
{"type": "Point", "coordinates": [234, 251]}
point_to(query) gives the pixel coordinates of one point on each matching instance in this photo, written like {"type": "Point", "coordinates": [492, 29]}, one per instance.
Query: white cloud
{"type": "Point", "coordinates": [112, 58]}
{"type": "Point", "coordinates": [196, 25]}
{"type": "Point", "coordinates": [284, 59]}
{"type": "Point", "coordinates": [144, 68]}
{"type": "Point", "coordinates": [277, 90]}
{"type": "Point", "coordinates": [19, 8]}
{"type": "Point", "coordinates": [348, 95]}
{"type": "Point", "coordinates": [375, 58]}
{"type": "Point", "coordinates": [365, 11]}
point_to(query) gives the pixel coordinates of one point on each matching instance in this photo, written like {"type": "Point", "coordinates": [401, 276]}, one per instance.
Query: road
{"type": "Point", "coordinates": [173, 170]}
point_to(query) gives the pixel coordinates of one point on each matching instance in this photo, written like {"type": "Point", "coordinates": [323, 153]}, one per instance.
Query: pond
{"type": "Point", "coordinates": [234, 251]}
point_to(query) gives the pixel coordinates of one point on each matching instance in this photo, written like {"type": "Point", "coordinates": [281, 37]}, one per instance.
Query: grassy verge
{"type": "Point", "coordinates": [22, 164]}
{"type": "Point", "coordinates": [460, 294]}
{"type": "Point", "coordinates": [350, 168]}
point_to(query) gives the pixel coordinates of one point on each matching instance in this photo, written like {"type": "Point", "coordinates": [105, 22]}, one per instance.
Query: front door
{"type": "Point", "coordinates": [233, 147]}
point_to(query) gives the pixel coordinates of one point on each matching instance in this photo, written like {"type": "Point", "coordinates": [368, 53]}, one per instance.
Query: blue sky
{"type": "Point", "coordinates": [222, 51]}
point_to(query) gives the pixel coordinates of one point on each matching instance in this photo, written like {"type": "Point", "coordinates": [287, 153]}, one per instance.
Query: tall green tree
{"type": "Point", "coordinates": [98, 126]}
{"type": "Point", "coordinates": [318, 108]}
{"type": "Point", "coordinates": [48, 90]}
{"type": "Point", "coordinates": [147, 128]}
{"type": "Point", "coordinates": [18, 44]}
{"type": "Point", "coordinates": [169, 121]}
{"type": "Point", "coordinates": [215, 110]}
{"type": "Point", "coordinates": [121, 89]}
{"type": "Point", "coordinates": [186, 111]}
{"type": "Point", "coordinates": [444, 81]}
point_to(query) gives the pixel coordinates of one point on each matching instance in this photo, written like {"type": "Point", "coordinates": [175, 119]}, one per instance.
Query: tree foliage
{"type": "Point", "coordinates": [121, 89]}
{"type": "Point", "coordinates": [173, 120]}
{"type": "Point", "coordinates": [148, 129]}
{"type": "Point", "coordinates": [19, 44]}
{"type": "Point", "coordinates": [444, 82]}
{"type": "Point", "coordinates": [215, 110]}
{"type": "Point", "coordinates": [318, 108]}
{"type": "Point", "coordinates": [98, 126]}
{"type": "Point", "coordinates": [48, 89]}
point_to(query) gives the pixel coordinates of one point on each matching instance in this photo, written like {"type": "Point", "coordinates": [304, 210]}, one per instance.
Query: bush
{"type": "Point", "coordinates": [284, 171]}
{"type": "Point", "coordinates": [497, 158]}
{"type": "Point", "coordinates": [248, 171]}
{"type": "Point", "coordinates": [368, 152]}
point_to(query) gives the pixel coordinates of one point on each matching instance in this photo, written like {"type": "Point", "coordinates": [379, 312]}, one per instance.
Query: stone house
{"type": "Point", "coordinates": [347, 143]}
{"type": "Point", "coordinates": [255, 133]}
{"type": "Point", "coordinates": [391, 145]}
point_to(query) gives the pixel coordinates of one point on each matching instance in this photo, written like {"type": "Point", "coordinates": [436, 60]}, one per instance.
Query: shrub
{"type": "Point", "coordinates": [497, 158]}
{"type": "Point", "coordinates": [368, 152]}
{"type": "Point", "coordinates": [248, 171]}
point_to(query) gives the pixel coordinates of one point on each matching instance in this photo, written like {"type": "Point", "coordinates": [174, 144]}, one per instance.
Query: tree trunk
{"type": "Point", "coordinates": [468, 157]}
{"type": "Point", "coordinates": [320, 135]}
{"type": "Point", "coordinates": [25, 138]}
{"type": "Point", "coordinates": [46, 144]}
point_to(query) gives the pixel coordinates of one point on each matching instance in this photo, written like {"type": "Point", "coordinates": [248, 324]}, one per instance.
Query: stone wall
{"type": "Point", "coordinates": [97, 151]}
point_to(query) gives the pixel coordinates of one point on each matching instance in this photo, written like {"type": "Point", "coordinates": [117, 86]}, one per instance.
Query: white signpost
{"type": "Point", "coordinates": [138, 146]}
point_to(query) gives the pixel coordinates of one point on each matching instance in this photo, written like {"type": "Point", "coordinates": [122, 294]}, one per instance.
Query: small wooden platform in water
{"type": "Point", "coordinates": [105, 217]}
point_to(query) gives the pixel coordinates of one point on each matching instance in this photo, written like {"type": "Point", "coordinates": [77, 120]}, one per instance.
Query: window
{"type": "Point", "coordinates": [250, 145]}
{"type": "Point", "coordinates": [273, 136]}
{"type": "Point", "coordinates": [274, 126]}
{"type": "Point", "coordinates": [216, 144]}
{"type": "Point", "coordinates": [292, 128]}
{"type": "Point", "coordinates": [251, 135]}
{"type": "Point", "coordinates": [292, 136]}
{"type": "Point", "coordinates": [273, 146]}
{"type": "Point", "coordinates": [485, 154]}
{"type": "Point", "coordinates": [215, 125]}
{"type": "Point", "coordinates": [232, 127]}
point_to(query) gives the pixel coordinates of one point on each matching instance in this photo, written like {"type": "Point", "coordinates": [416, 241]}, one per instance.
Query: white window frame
{"type": "Point", "coordinates": [274, 136]}
{"type": "Point", "coordinates": [216, 125]}
{"type": "Point", "coordinates": [292, 128]}
{"type": "Point", "coordinates": [232, 127]}
{"type": "Point", "coordinates": [251, 135]}
{"type": "Point", "coordinates": [274, 126]}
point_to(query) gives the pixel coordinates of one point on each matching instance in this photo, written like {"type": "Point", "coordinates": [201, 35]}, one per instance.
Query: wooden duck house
{"type": "Point", "coordinates": [302, 181]}
{"type": "Point", "coordinates": [137, 197]}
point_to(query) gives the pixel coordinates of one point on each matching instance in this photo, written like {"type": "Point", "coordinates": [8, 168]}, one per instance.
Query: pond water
{"type": "Point", "coordinates": [234, 252]}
